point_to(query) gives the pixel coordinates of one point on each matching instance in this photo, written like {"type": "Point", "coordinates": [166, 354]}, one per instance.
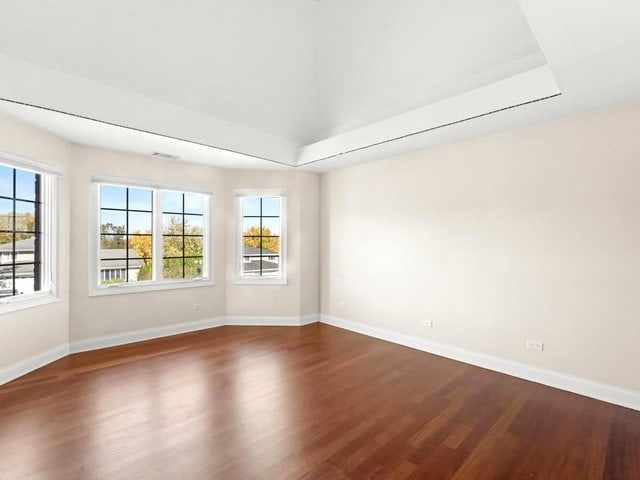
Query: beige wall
{"type": "Point", "coordinates": [29, 332]}
{"type": "Point", "coordinates": [531, 234]}
{"type": "Point", "coordinates": [309, 235]}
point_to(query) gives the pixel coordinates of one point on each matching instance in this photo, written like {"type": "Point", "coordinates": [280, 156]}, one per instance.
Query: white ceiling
{"type": "Point", "coordinates": [245, 61]}
{"type": "Point", "coordinates": [383, 58]}
{"type": "Point", "coordinates": [304, 82]}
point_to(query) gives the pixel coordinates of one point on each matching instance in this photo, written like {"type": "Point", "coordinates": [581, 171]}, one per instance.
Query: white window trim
{"type": "Point", "coordinates": [49, 237]}
{"type": "Point", "coordinates": [238, 254]}
{"type": "Point", "coordinates": [207, 279]}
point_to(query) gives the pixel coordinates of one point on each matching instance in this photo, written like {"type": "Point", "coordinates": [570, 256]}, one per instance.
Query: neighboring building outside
{"type": "Point", "coordinates": [24, 274]}
{"type": "Point", "coordinates": [113, 266]}
{"type": "Point", "coordinates": [251, 261]}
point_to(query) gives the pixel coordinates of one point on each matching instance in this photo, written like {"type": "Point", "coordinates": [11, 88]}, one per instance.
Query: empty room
{"type": "Point", "coordinates": [319, 239]}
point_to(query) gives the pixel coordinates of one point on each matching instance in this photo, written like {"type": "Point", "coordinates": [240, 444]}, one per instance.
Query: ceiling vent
{"type": "Point", "coordinates": [165, 155]}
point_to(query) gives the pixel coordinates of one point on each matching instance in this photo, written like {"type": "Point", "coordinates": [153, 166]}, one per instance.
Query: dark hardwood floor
{"type": "Point", "coordinates": [313, 402]}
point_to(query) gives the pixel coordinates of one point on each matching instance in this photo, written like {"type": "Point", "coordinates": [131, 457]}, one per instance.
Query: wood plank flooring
{"type": "Point", "coordinates": [313, 402]}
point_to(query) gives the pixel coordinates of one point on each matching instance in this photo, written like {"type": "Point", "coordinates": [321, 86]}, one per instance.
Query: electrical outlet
{"type": "Point", "coordinates": [198, 306]}
{"type": "Point", "coordinates": [427, 323]}
{"type": "Point", "coordinates": [535, 345]}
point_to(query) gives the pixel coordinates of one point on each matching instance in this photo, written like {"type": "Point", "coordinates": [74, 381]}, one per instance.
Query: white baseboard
{"type": "Point", "coordinates": [274, 321]}
{"type": "Point", "coordinates": [581, 386]}
{"type": "Point", "coordinates": [32, 363]}
{"type": "Point", "coordinates": [96, 343]}
{"type": "Point", "coordinates": [309, 319]}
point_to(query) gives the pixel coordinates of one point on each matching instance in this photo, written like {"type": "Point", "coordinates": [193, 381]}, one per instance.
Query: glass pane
{"type": "Point", "coordinates": [25, 247]}
{"type": "Point", "coordinates": [172, 224]}
{"type": "Point", "coordinates": [251, 206]}
{"type": "Point", "coordinates": [113, 197]}
{"type": "Point", "coordinates": [112, 221]}
{"type": "Point", "coordinates": [251, 246]}
{"type": "Point", "coordinates": [25, 279]}
{"type": "Point", "coordinates": [193, 203]}
{"type": "Point", "coordinates": [271, 206]}
{"type": "Point", "coordinates": [192, 267]}
{"type": "Point", "coordinates": [6, 181]}
{"type": "Point", "coordinates": [135, 266]}
{"type": "Point", "coordinates": [25, 216]}
{"type": "Point", "coordinates": [140, 246]}
{"type": "Point", "coordinates": [250, 226]}
{"type": "Point", "coordinates": [193, 224]}
{"type": "Point", "coordinates": [193, 246]}
{"type": "Point", "coordinates": [270, 245]}
{"type": "Point", "coordinates": [140, 199]}
{"type": "Point", "coordinates": [172, 268]}
{"type": "Point", "coordinates": [6, 281]}
{"type": "Point", "coordinates": [25, 185]}
{"type": "Point", "coordinates": [6, 253]}
{"type": "Point", "coordinates": [112, 242]}
{"type": "Point", "coordinates": [114, 253]}
{"type": "Point", "coordinates": [25, 236]}
{"type": "Point", "coordinates": [251, 266]}
{"type": "Point", "coordinates": [270, 266]}
{"type": "Point", "coordinates": [172, 246]}
{"type": "Point", "coordinates": [6, 214]}
{"type": "Point", "coordinates": [113, 271]}
{"type": "Point", "coordinates": [271, 226]}
{"type": "Point", "coordinates": [143, 274]}
{"type": "Point", "coordinates": [171, 202]}
{"type": "Point", "coordinates": [140, 222]}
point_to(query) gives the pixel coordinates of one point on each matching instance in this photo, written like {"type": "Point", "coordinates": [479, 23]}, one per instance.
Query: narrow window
{"type": "Point", "coordinates": [261, 256]}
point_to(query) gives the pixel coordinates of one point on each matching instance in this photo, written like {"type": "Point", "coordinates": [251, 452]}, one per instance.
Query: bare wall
{"type": "Point", "coordinates": [531, 234]}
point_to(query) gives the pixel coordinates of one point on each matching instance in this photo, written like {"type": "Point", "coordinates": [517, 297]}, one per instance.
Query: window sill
{"type": "Point", "coordinates": [260, 281]}
{"type": "Point", "coordinates": [149, 287]}
{"type": "Point", "coordinates": [23, 302]}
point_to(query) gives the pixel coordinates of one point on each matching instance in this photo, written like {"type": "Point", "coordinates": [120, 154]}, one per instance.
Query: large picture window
{"type": "Point", "coordinates": [27, 231]}
{"type": "Point", "coordinates": [150, 237]}
{"type": "Point", "coordinates": [261, 220]}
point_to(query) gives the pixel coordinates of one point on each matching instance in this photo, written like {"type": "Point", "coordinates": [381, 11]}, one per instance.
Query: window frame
{"type": "Point", "coordinates": [240, 279]}
{"type": "Point", "coordinates": [207, 279]}
{"type": "Point", "coordinates": [48, 237]}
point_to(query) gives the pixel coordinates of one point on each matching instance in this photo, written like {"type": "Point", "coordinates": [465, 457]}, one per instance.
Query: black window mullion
{"type": "Point", "coordinates": [183, 248]}
{"type": "Point", "coordinates": [126, 238]}
{"type": "Point", "coordinates": [260, 237]}
{"type": "Point", "coordinates": [37, 255]}
{"type": "Point", "coordinates": [13, 245]}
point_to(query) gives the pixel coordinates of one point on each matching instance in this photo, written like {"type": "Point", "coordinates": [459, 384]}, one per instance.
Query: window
{"type": "Point", "coordinates": [150, 237]}
{"type": "Point", "coordinates": [27, 232]}
{"type": "Point", "coordinates": [261, 257]}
